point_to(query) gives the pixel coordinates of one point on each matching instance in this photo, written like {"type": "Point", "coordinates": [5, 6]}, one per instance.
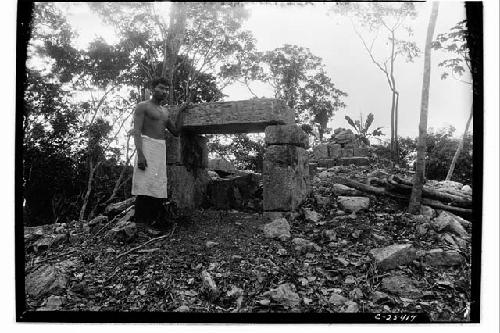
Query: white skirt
{"type": "Point", "coordinates": [153, 180]}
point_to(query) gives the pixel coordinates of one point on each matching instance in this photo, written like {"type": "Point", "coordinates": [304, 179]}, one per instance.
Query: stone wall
{"type": "Point", "coordinates": [286, 169]}
{"type": "Point", "coordinates": [342, 149]}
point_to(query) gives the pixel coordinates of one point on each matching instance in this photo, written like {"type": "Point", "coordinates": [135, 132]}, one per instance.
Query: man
{"type": "Point", "coordinates": [149, 181]}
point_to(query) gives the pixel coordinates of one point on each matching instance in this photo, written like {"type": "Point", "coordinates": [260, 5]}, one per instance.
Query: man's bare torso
{"type": "Point", "coordinates": [155, 117]}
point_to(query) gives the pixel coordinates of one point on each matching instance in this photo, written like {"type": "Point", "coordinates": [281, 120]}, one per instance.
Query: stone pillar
{"type": "Point", "coordinates": [187, 160]}
{"type": "Point", "coordinates": [286, 170]}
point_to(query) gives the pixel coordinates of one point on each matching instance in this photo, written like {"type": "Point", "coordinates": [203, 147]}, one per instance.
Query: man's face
{"type": "Point", "coordinates": [160, 91]}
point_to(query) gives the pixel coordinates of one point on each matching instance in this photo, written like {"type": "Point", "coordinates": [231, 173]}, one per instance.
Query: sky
{"type": "Point", "coordinates": [333, 39]}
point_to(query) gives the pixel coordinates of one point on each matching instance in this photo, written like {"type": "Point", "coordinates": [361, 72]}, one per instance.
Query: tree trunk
{"type": "Point", "coordinates": [459, 148]}
{"type": "Point", "coordinates": [392, 129]}
{"type": "Point", "coordinates": [396, 140]}
{"type": "Point", "coordinates": [172, 44]}
{"type": "Point", "coordinates": [416, 194]}
{"type": "Point", "coordinates": [92, 171]}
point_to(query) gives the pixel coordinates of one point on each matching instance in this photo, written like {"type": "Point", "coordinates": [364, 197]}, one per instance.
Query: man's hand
{"type": "Point", "coordinates": [141, 162]}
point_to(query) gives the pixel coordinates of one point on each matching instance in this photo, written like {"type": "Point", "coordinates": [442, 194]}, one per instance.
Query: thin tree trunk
{"type": "Point", "coordinates": [92, 170]}
{"type": "Point", "coordinates": [459, 148]}
{"type": "Point", "coordinates": [416, 193]}
{"type": "Point", "coordinates": [172, 45]}
{"type": "Point", "coordinates": [396, 139]}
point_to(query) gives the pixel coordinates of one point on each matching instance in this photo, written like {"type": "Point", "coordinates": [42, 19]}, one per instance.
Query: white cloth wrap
{"type": "Point", "coordinates": [153, 180]}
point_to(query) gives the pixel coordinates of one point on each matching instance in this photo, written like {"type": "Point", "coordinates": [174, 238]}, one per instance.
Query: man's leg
{"type": "Point", "coordinates": [141, 209]}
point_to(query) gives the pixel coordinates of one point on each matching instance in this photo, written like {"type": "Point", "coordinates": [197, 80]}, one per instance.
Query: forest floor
{"type": "Point", "coordinates": [250, 273]}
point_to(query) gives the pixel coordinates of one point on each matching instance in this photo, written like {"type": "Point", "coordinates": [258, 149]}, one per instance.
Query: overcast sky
{"type": "Point", "coordinates": [333, 39]}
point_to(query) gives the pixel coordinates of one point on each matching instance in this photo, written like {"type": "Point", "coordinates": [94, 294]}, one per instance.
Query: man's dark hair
{"type": "Point", "coordinates": [157, 81]}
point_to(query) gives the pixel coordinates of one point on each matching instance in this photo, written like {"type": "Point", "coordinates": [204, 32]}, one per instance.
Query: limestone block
{"type": "Point", "coordinates": [334, 150]}
{"type": "Point", "coordinates": [346, 152]}
{"type": "Point", "coordinates": [286, 134]}
{"type": "Point", "coordinates": [392, 256]}
{"type": "Point", "coordinates": [285, 178]}
{"type": "Point", "coordinates": [248, 116]}
{"type": "Point", "coordinates": [359, 161]}
{"type": "Point", "coordinates": [361, 151]}
{"type": "Point", "coordinates": [320, 152]}
{"type": "Point", "coordinates": [173, 144]}
{"type": "Point", "coordinates": [221, 164]}
{"type": "Point", "coordinates": [187, 188]}
{"type": "Point", "coordinates": [194, 150]}
{"type": "Point", "coordinates": [327, 162]}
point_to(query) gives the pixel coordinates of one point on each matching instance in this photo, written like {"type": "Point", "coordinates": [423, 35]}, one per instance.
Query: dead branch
{"type": "Point", "coordinates": [148, 242]}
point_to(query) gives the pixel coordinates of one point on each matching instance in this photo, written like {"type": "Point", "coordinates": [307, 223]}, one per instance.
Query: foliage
{"type": "Point", "coordinates": [362, 129]}
{"type": "Point", "coordinates": [299, 77]}
{"type": "Point", "coordinates": [454, 43]}
{"type": "Point", "coordinates": [245, 152]}
{"type": "Point", "coordinates": [441, 146]}
{"type": "Point", "coordinates": [83, 136]}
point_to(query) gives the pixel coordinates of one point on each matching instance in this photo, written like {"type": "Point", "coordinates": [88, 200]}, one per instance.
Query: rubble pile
{"type": "Point", "coordinates": [342, 149]}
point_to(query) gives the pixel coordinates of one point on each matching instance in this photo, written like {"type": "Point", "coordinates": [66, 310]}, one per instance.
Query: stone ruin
{"type": "Point", "coordinates": [343, 148]}
{"type": "Point", "coordinates": [285, 174]}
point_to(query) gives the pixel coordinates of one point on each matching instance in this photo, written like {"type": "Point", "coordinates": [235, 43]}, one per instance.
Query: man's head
{"type": "Point", "coordinates": [160, 88]}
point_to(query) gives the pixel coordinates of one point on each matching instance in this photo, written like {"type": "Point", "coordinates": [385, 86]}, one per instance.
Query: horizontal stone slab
{"type": "Point", "coordinates": [360, 161]}
{"type": "Point", "coordinates": [365, 151]}
{"type": "Point", "coordinates": [248, 116]}
{"type": "Point", "coordinates": [286, 135]}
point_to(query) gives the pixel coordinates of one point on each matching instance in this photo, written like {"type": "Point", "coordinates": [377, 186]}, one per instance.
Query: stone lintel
{"type": "Point", "coordinates": [248, 116]}
{"type": "Point", "coordinates": [290, 134]}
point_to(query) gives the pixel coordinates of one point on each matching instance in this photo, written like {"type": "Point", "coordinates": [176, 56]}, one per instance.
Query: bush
{"type": "Point", "coordinates": [441, 147]}
{"type": "Point", "coordinates": [244, 152]}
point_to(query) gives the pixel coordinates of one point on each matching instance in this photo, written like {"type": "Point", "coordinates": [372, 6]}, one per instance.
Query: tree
{"type": "Point", "coordinates": [95, 75]}
{"type": "Point", "coordinates": [391, 20]}
{"type": "Point", "coordinates": [207, 35]}
{"type": "Point", "coordinates": [299, 77]}
{"type": "Point", "coordinates": [455, 42]}
{"type": "Point", "coordinates": [362, 129]}
{"type": "Point", "coordinates": [416, 193]}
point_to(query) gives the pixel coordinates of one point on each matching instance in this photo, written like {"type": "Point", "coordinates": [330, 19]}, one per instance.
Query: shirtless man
{"type": "Point", "coordinates": [149, 182]}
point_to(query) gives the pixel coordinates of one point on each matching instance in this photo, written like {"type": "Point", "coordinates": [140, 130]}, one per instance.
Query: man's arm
{"type": "Point", "coordinates": [139, 113]}
{"type": "Point", "coordinates": [176, 128]}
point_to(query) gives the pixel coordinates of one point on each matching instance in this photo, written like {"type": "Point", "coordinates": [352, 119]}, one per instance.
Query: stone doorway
{"type": "Point", "coordinates": [285, 174]}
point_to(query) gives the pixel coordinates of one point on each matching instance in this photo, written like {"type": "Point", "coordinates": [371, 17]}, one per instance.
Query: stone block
{"type": "Point", "coordinates": [279, 228]}
{"type": "Point", "coordinates": [238, 192]}
{"type": "Point", "coordinates": [354, 204]}
{"type": "Point", "coordinates": [285, 178]}
{"type": "Point", "coordinates": [286, 135]}
{"type": "Point", "coordinates": [334, 150]}
{"type": "Point", "coordinates": [313, 169]}
{"type": "Point", "coordinates": [173, 147]}
{"type": "Point", "coordinates": [327, 162]}
{"type": "Point", "coordinates": [439, 257]}
{"type": "Point", "coordinates": [320, 152]}
{"type": "Point", "coordinates": [221, 164]}
{"type": "Point", "coordinates": [359, 161]}
{"type": "Point", "coordinates": [248, 116]}
{"type": "Point", "coordinates": [361, 151]}
{"type": "Point", "coordinates": [346, 152]}
{"type": "Point", "coordinates": [392, 256]}
{"type": "Point", "coordinates": [194, 151]}
{"type": "Point", "coordinates": [187, 188]}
